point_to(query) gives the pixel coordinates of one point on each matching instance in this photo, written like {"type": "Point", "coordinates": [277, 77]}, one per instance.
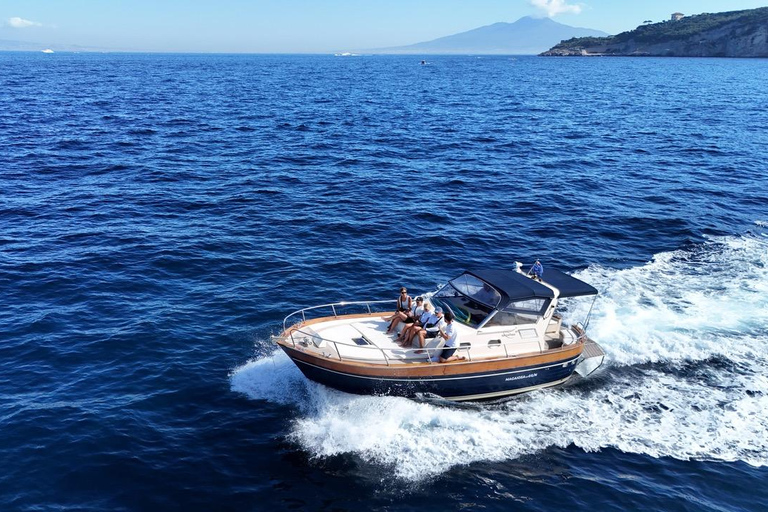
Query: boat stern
{"type": "Point", "coordinates": [591, 358]}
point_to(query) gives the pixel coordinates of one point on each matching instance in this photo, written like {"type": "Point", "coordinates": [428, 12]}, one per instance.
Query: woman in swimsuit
{"type": "Point", "coordinates": [404, 304]}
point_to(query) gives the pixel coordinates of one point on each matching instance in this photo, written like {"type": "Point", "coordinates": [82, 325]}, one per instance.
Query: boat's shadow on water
{"type": "Point", "coordinates": [575, 384]}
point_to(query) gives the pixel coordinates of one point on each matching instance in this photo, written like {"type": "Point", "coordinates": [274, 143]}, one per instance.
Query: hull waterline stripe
{"type": "Point", "coordinates": [499, 394]}
{"type": "Point", "coordinates": [437, 379]}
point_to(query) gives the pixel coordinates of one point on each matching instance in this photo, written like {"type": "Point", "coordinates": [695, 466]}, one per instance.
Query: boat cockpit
{"type": "Point", "coordinates": [489, 300]}
{"type": "Point", "coordinates": [477, 303]}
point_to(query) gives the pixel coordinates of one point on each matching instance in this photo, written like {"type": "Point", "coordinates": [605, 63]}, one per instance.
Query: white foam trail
{"type": "Point", "coordinates": [683, 304]}
{"type": "Point", "coordinates": [662, 394]}
{"type": "Point", "coordinates": [274, 378]}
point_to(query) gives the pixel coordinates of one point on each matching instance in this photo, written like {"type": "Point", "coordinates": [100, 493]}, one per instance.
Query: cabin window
{"type": "Point", "coordinates": [520, 312]}
{"type": "Point", "coordinates": [477, 290]}
{"type": "Point", "coordinates": [467, 310]}
{"type": "Point", "coordinates": [531, 305]}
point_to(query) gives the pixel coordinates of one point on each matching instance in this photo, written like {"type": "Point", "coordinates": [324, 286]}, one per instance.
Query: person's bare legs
{"type": "Point", "coordinates": [407, 342]}
{"type": "Point", "coordinates": [453, 357]}
{"type": "Point", "coordinates": [422, 336]}
{"type": "Point", "coordinates": [407, 333]}
{"type": "Point", "coordinates": [403, 334]}
{"type": "Point", "coordinates": [392, 316]}
{"type": "Point", "coordinates": [399, 317]}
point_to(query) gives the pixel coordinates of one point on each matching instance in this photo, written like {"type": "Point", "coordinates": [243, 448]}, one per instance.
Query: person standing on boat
{"type": "Point", "coordinates": [451, 336]}
{"type": "Point", "coordinates": [537, 270]}
{"type": "Point", "coordinates": [404, 305]}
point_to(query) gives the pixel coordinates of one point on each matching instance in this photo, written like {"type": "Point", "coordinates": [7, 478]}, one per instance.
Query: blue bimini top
{"type": "Point", "coordinates": [513, 286]}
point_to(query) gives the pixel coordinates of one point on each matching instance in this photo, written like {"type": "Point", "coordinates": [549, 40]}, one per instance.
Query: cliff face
{"type": "Point", "coordinates": [731, 34]}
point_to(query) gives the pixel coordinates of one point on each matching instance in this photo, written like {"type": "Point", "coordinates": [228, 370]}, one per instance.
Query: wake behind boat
{"type": "Point", "coordinates": [510, 339]}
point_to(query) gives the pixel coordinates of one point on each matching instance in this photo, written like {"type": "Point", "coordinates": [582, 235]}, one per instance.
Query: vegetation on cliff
{"type": "Point", "coordinates": [668, 31]}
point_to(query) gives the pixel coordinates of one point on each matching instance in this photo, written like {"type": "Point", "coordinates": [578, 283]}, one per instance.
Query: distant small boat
{"type": "Point", "coordinates": [346, 54]}
{"type": "Point", "coordinates": [47, 50]}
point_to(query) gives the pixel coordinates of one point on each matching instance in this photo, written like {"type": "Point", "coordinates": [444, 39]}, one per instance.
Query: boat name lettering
{"type": "Point", "coordinates": [520, 377]}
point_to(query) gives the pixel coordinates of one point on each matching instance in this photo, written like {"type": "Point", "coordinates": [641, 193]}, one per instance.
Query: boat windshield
{"type": "Point", "coordinates": [520, 312]}
{"type": "Point", "coordinates": [470, 299]}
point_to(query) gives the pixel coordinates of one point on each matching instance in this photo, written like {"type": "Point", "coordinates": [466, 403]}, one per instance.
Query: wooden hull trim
{"type": "Point", "coordinates": [425, 369]}
{"type": "Point", "coordinates": [455, 387]}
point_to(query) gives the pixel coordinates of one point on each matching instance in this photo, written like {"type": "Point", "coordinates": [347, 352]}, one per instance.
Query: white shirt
{"type": "Point", "coordinates": [439, 322]}
{"type": "Point", "coordinates": [452, 333]}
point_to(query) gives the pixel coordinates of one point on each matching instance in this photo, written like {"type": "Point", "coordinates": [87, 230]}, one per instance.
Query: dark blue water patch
{"type": "Point", "coordinates": [156, 231]}
{"type": "Point", "coordinates": [142, 131]}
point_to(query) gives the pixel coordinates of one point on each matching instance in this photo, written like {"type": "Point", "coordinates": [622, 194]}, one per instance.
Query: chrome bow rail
{"type": "Point", "coordinates": [292, 325]}
{"type": "Point", "coordinates": [333, 306]}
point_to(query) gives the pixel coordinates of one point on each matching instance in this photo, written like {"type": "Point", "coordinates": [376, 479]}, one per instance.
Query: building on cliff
{"type": "Point", "coordinates": [677, 16]}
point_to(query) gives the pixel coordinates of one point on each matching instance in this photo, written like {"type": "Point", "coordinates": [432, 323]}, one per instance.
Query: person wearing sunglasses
{"type": "Point", "coordinates": [404, 305]}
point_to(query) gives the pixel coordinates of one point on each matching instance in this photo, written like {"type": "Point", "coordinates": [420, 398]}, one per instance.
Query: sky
{"type": "Point", "coordinates": [307, 26]}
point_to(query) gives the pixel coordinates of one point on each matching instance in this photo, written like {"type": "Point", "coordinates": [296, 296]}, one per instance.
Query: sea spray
{"type": "Point", "coordinates": [685, 378]}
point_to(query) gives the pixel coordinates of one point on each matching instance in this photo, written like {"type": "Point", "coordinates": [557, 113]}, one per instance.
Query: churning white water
{"type": "Point", "coordinates": [686, 376]}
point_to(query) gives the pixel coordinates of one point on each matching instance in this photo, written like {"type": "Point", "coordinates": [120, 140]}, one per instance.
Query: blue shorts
{"type": "Point", "coordinates": [447, 352]}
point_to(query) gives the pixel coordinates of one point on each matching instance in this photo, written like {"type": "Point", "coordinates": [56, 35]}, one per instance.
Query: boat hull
{"type": "Point", "coordinates": [475, 381]}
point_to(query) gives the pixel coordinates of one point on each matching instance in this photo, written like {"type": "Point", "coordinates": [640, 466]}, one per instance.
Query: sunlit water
{"type": "Point", "coordinates": [161, 214]}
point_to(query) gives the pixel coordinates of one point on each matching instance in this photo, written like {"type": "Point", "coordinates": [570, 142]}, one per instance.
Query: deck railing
{"type": "Point", "coordinates": [293, 323]}
{"type": "Point", "coordinates": [364, 305]}
{"type": "Point", "coordinates": [293, 328]}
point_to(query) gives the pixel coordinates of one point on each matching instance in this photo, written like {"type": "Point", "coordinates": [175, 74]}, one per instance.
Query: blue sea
{"type": "Point", "coordinates": [161, 214]}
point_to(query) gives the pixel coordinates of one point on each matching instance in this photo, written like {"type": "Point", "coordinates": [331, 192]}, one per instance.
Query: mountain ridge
{"type": "Point", "coordinates": [527, 35]}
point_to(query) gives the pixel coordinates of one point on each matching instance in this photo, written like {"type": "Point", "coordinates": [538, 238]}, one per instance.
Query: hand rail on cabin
{"type": "Point", "coordinates": [578, 328]}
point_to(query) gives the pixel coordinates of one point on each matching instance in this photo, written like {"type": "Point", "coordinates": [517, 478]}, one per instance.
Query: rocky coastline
{"type": "Point", "coordinates": [729, 34]}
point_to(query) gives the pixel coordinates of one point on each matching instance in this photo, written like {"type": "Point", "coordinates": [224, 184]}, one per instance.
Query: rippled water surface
{"type": "Point", "coordinates": [161, 214]}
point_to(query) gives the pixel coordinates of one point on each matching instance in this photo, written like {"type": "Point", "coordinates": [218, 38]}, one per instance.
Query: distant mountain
{"type": "Point", "coordinates": [525, 36]}
{"type": "Point", "coordinates": [724, 34]}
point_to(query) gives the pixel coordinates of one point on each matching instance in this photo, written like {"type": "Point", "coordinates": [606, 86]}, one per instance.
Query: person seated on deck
{"type": "Point", "coordinates": [407, 317]}
{"type": "Point", "coordinates": [416, 311]}
{"type": "Point", "coordinates": [410, 330]}
{"type": "Point", "coordinates": [431, 328]}
{"type": "Point", "coordinates": [537, 271]}
{"type": "Point", "coordinates": [451, 335]}
{"type": "Point", "coordinates": [404, 304]}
